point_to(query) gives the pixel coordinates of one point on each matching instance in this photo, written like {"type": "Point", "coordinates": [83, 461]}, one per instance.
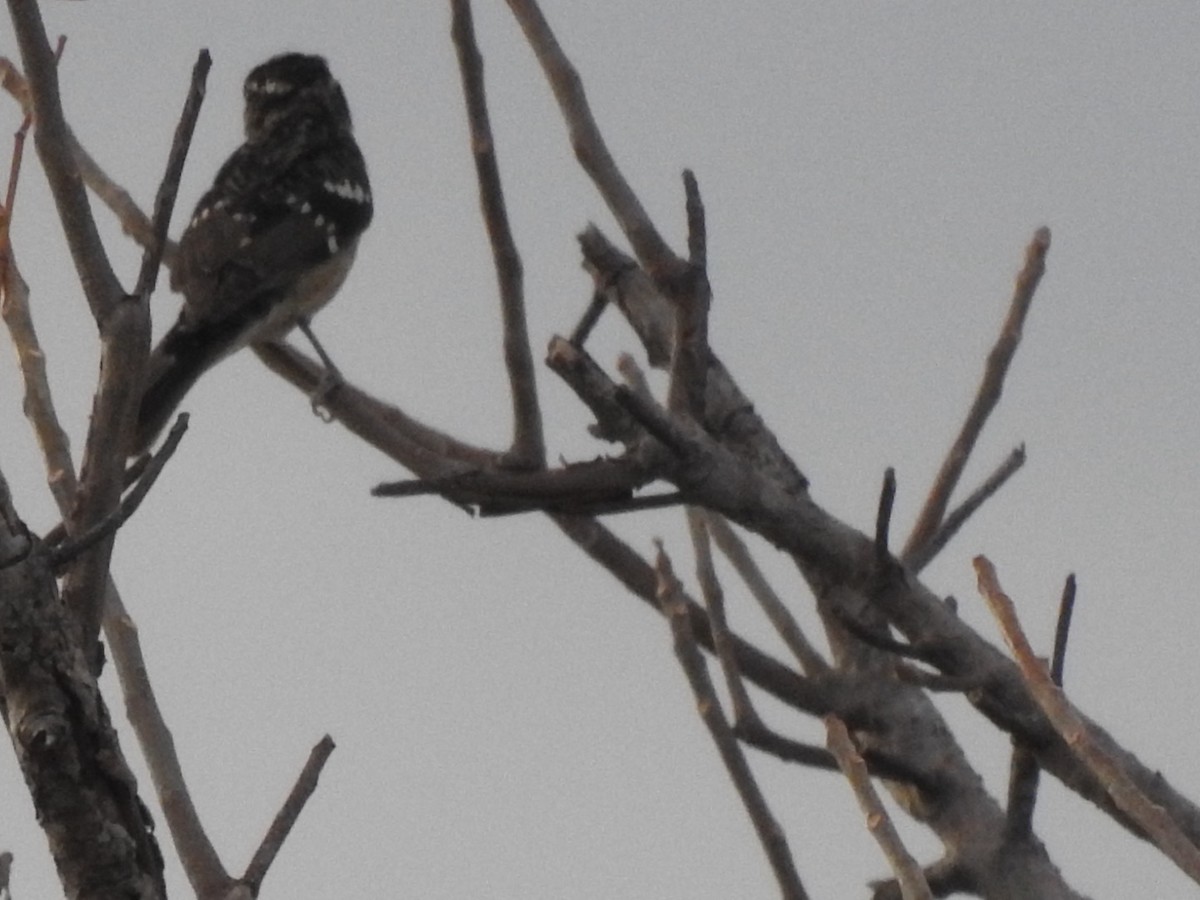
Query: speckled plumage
{"type": "Point", "coordinates": [272, 240]}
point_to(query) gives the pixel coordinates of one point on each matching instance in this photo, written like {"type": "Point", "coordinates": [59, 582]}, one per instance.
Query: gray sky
{"type": "Point", "coordinates": [872, 174]}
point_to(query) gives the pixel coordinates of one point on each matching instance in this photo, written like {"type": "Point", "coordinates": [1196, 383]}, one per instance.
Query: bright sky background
{"type": "Point", "coordinates": [510, 723]}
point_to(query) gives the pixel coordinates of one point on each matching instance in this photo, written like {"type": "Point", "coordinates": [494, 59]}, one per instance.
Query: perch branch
{"type": "Point", "coordinates": [714, 603]}
{"type": "Point", "coordinates": [168, 188]}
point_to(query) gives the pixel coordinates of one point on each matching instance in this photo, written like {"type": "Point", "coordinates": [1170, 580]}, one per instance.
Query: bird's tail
{"type": "Point", "coordinates": [180, 358]}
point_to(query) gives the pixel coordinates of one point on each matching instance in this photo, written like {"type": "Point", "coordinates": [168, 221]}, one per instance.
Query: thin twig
{"type": "Point", "coordinates": [987, 396]}
{"type": "Point", "coordinates": [770, 835]}
{"type": "Point", "coordinates": [305, 784]}
{"type": "Point", "coordinates": [918, 557]}
{"type": "Point", "coordinates": [1066, 606]}
{"type": "Point", "coordinates": [776, 610]}
{"type": "Point", "coordinates": [591, 315]}
{"type": "Point", "coordinates": [168, 188]}
{"type": "Point", "coordinates": [629, 568]}
{"type": "Point", "coordinates": [589, 146]}
{"type": "Point", "coordinates": [528, 447]}
{"type": "Point", "coordinates": [22, 90]}
{"type": "Point", "coordinates": [714, 602]}
{"type": "Point", "coordinates": [883, 518]}
{"type": "Point", "coordinates": [691, 295]}
{"type": "Point", "coordinates": [100, 284]}
{"type": "Point", "coordinates": [72, 547]}
{"type": "Point", "coordinates": [134, 222]}
{"type": "Point", "coordinates": [1024, 771]}
{"type": "Point", "coordinates": [1150, 817]}
{"type": "Point", "coordinates": [908, 872]}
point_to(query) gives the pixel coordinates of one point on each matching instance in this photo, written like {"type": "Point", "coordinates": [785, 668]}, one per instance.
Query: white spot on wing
{"type": "Point", "coordinates": [348, 190]}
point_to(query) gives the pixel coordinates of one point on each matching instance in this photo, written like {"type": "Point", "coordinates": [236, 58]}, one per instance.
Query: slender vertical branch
{"type": "Point", "coordinates": [124, 347]}
{"type": "Point", "coordinates": [1062, 629]}
{"type": "Point", "coordinates": [100, 284]}
{"type": "Point", "coordinates": [883, 518]}
{"type": "Point", "coordinates": [529, 448]}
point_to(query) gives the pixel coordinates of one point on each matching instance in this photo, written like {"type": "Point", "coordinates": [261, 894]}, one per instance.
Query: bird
{"type": "Point", "coordinates": [272, 240]}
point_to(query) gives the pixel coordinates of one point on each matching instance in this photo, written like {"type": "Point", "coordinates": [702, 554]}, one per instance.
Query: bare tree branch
{"type": "Point", "coordinates": [771, 836]}
{"type": "Point", "coordinates": [589, 146]}
{"type": "Point", "coordinates": [1062, 629]}
{"type": "Point", "coordinates": [987, 397]}
{"type": "Point", "coordinates": [736, 551]}
{"type": "Point", "coordinates": [957, 517]}
{"type": "Point", "coordinates": [908, 873]}
{"type": "Point", "coordinates": [168, 189]}
{"type": "Point", "coordinates": [1157, 822]}
{"type": "Point", "coordinates": [304, 787]}
{"type": "Point", "coordinates": [529, 447]}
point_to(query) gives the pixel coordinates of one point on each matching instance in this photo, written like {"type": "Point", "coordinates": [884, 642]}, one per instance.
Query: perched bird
{"type": "Point", "coordinates": [271, 241]}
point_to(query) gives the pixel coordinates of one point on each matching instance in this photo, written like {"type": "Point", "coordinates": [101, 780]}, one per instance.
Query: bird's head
{"type": "Point", "coordinates": [291, 86]}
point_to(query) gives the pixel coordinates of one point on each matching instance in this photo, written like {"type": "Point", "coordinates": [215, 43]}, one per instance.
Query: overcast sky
{"type": "Point", "coordinates": [510, 723]}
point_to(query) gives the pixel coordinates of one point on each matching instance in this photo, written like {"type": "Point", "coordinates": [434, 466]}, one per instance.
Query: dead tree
{"type": "Point", "coordinates": [892, 641]}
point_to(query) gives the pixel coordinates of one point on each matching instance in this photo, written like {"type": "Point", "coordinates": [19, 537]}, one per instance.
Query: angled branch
{"type": "Point", "coordinates": [285, 819]}
{"type": "Point", "coordinates": [918, 557]}
{"type": "Point", "coordinates": [987, 396]}
{"type": "Point", "coordinates": [908, 872]}
{"type": "Point", "coordinates": [528, 448]}
{"type": "Point", "coordinates": [72, 547]}
{"type": "Point", "coordinates": [770, 835]}
{"type": "Point", "coordinates": [100, 284]}
{"type": "Point", "coordinates": [1152, 818]}
{"type": "Point", "coordinates": [168, 188]}
{"type": "Point", "coordinates": [589, 146]}
{"type": "Point", "coordinates": [784, 623]}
